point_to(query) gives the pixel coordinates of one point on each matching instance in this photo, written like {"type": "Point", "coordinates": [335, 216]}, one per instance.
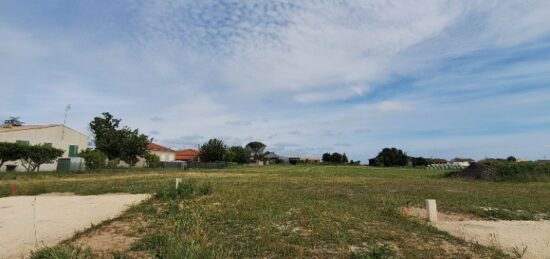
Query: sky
{"type": "Point", "coordinates": [434, 78]}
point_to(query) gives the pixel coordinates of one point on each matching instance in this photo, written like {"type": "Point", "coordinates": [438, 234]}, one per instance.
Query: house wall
{"type": "Point", "coordinates": [165, 156]}
{"type": "Point", "coordinates": [55, 135]}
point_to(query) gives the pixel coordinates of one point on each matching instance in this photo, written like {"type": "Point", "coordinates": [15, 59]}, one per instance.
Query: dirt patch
{"type": "Point", "coordinates": [423, 214]}
{"type": "Point", "coordinates": [528, 238]}
{"type": "Point", "coordinates": [111, 238]}
{"type": "Point", "coordinates": [31, 222]}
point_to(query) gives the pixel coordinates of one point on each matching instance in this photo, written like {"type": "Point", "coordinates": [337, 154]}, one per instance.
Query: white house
{"type": "Point", "coordinates": [165, 154]}
{"type": "Point", "coordinates": [58, 136]}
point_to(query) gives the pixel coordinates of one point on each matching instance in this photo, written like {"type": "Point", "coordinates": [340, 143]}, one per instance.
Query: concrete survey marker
{"type": "Point", "coordinates": [30, 222]}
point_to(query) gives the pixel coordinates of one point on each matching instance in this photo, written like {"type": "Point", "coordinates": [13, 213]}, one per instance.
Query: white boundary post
{"type": "Point", "coordinates": [178, 181]}
{"type": "Point", "coordinates": [431, 208]}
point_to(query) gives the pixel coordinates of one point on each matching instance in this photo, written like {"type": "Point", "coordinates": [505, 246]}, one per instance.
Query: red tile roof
{"type": "Point", "coordinates": [187, 155]}
{"type": "Point", "coordinates": [157, 147]}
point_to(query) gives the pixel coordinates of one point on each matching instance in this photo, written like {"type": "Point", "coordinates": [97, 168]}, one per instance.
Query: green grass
{"type": "Point", "coordinates": [298, 211]}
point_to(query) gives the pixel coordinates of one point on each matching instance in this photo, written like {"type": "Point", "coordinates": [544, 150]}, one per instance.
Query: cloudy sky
{"type": "Point", "coordinates": [435, 78]}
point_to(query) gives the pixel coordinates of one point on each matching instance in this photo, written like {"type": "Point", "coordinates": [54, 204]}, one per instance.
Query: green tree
{"type": "Point", "coordinates": [106, 135]}
{"type": "Point", "coordinates": [344, 158]}
{"type": "Point", "coordinates": [327, 158]}
{"type": "Point", "coordinates": [241, 154]}
{"type": "Point", "coordinates": [9, 152]}
{"type": "Point", "coordinates": [118, 143]}
{"type": "Point", "coordinates": [134, 145]}
{"type": "Point", "coordinates": [391, 157]}
{"type": "Point", "coordinates": [93, 159]}
{"type": "Point", "coordinates": [256, 149]}
{"type": "Point", "coordinates": [229, 155]}
{"type": "Point", "coordinates": [213, 150]}
{"type": "Point", "coordinates": [511, 159]}
{"type": "Point", "coordinates": [152, 160]}
{"type": "Point", "coordinates": [32, 157]}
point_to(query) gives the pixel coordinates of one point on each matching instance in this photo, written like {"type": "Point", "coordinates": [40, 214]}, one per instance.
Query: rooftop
{"type": "Point", "coordinates": [26, 127]}
{"type": "Point", "coordinates": [157, 147]}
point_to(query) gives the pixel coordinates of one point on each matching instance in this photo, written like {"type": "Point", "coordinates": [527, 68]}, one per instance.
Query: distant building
{"type": "Point", "coordinates": [189, 155]}
{"type": "Point", "coordinates": [165, 154]}
{"type": "Point", "coordinates": [304, 159]}
{"type": "Point", "coordinates": [57, 136]}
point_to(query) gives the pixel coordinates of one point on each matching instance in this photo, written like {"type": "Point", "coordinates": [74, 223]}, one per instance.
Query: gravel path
{"type": "Point", "coordinates": [31, 222]}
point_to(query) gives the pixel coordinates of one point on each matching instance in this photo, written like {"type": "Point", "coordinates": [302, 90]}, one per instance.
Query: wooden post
{"type": "Point", "coordinates": [431, 209]}
{"type": "Point", "coordinates": [178, 181]}
{"type": "Point", "coordinates": [13, 190]}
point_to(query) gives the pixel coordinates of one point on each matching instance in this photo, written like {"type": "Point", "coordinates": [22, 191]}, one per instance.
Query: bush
{"type": "Point", "coordinates": [93, 159]}
{"type": "Point", "coordinates": [185, 190]}
{"type": "Point", "coordinates": [502, 170]}
{"type": "Point", "coordinates": [152, 161]}
{"type": "Point", "coordinates": [237, 154]}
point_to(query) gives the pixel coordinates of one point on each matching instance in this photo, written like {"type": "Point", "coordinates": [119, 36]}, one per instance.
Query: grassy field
{"type": "Point", "coordinates": [291, 211]}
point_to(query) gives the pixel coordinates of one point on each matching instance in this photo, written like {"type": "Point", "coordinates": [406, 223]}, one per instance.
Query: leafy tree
{"type": "Point", "coordinates": [229, 155]}
{"type": "Point", "coordinates": [420, 161]}
{"type": "Point", "coordinates": [152, 160]}
{"type": "Point", "coordinates": [9, 152]}
{"type": "Point", "coordinates": [336, 157]}
{"type": "Point", "coordinates": [134, 145]}
{"type": "Point", "coordinates": [511, 159]}
{"type": "Point", "coordinates": [93, 159]}
{"type": "Point", "coordinates": [256, 149]}
{"type": "Point", "coordinates": [106, 135]}
{"type": "Point", "coordinates": [391, 157]}
{"type": "Point", "coordinates": [327, 158]}
{"type": "Point", "coordinates": [344, 158]}
{"type": "Point", "coordinates": [118, 143]}
{"type": "Point", "coordinates": [242, 155]}
{"type": "Point", "coordinates": [212, 151]}
{"type": "Point", "coordinates": [32, 157]}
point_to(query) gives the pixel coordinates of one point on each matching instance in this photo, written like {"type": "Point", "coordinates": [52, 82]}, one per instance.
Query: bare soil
{"type": "Point", "coordinates": [30, 222]}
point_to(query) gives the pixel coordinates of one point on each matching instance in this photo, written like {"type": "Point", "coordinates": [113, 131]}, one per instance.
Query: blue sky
{"type": "Point", "coordinates": [435, 78]}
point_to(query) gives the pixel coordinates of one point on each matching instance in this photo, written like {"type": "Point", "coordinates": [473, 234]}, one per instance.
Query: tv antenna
{"type": "Point", "coordinates": [67, 108]}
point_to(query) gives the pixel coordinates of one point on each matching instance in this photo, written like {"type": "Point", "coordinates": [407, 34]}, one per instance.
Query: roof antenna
{"type": "Point", "coordinates": [67, 108]}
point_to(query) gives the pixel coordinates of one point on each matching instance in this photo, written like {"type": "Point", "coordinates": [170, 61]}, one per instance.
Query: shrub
{"type": "Point", "coordinates": [93, 159]}
{"type": "Point", "coordinates": [186, 190]}
{"type": "Point", "coordinates": [152, 161]}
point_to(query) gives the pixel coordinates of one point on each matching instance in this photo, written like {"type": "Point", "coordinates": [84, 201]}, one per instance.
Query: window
{"type": "Point", "coordinates": [73, 150]}
{"type": "Point", "coordinates": [22, 142]}
{"type": "Point", "coordinates": [48, 145]}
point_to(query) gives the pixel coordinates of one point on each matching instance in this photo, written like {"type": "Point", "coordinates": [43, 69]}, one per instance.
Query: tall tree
{"type": "Point", "coordinates": [106, 135]}
{"type": "Point", "coordinates": [344, 158]}
{"type": "Point", "coordinates": [327, 158]}
{"type": "Point", "coordinates": [256, 149]}
{"type": "Point", "coordinates": [212, 151]}
{"type": "Point", "coordinates": [125, 143]}
{"type": "Point", "coordinates": [134, 145]}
